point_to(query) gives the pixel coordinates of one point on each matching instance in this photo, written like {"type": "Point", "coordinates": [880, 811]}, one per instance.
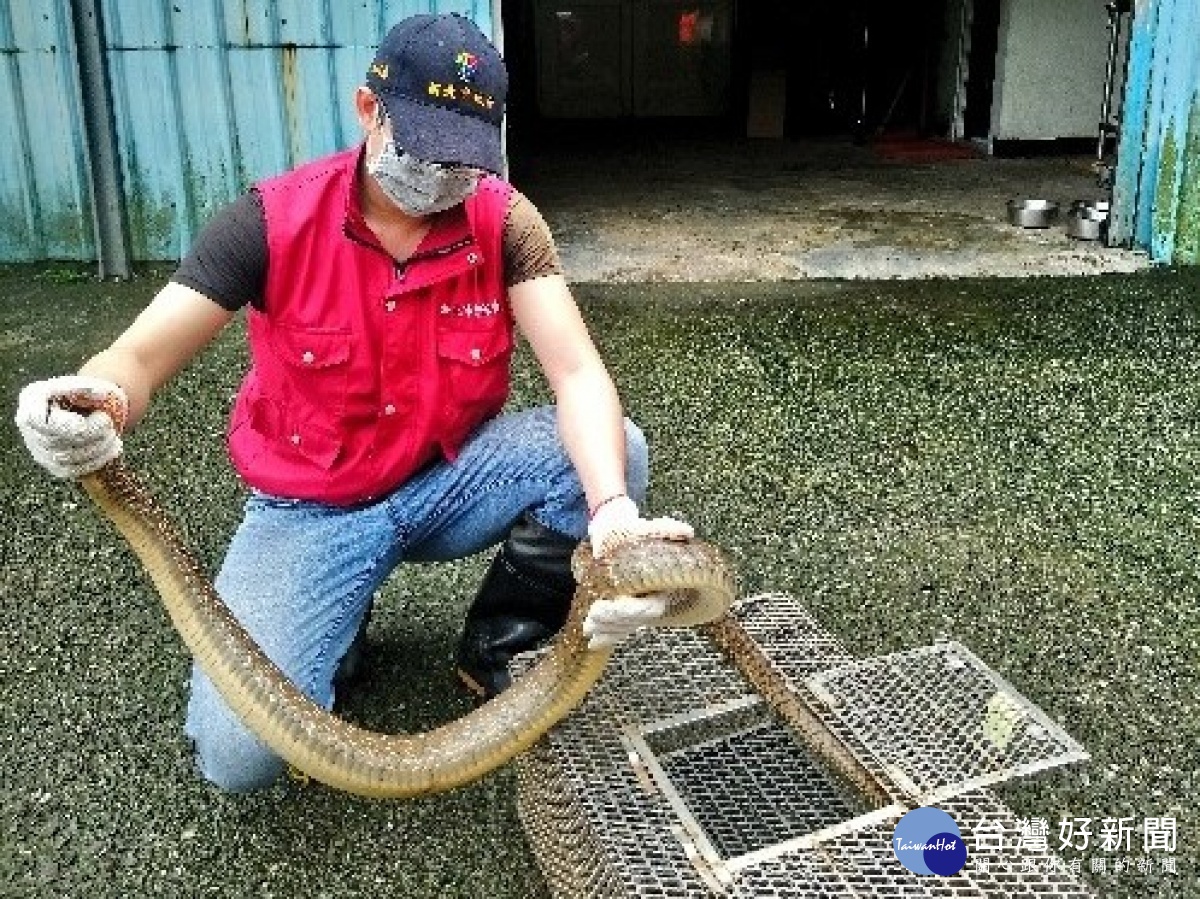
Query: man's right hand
{"type": "Point", "coordinates": [64, 438]}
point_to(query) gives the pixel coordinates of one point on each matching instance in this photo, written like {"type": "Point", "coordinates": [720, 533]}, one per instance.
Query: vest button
{"type": "Point", "coordinates": [308, 358]}
{"type": "Point", "coordinates": [389, 409]}
{"type": "Point", "coordinates": [390, 305]}
{"type": "Point", "coordinates": [476, 354]}
{"type": "Point", "coordinates": [473, 258]}
{"type": "Point", "coordinates": [295, 438]}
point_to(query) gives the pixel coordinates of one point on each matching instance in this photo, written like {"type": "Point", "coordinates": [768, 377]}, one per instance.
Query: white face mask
{"type": "Point", "coordinates": [419, 187]}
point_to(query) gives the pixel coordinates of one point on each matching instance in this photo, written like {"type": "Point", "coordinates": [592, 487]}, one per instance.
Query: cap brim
{"type": "Point", "coordinates": [437, 134]}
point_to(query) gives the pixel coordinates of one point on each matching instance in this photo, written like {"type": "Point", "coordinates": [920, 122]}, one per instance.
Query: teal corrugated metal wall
{"type": "Point", "coordinates": [208, 95]}
{"type": "Point", "coordinates": [45, 204]}
{"type": "Point", "coordinates": [1156, 194]}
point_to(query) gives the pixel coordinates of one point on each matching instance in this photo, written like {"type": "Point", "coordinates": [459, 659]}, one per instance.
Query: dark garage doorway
{"type": "Point", "coordinates": [633, 140]}
{"type": "Point", "coordinates": [853, 69]}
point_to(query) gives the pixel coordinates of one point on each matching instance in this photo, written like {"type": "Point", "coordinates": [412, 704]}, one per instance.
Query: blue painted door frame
{"type": "Point", "coordinates": [1156, 193]}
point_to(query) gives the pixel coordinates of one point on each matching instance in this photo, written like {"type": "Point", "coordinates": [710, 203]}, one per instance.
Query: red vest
{"type": "Point", "coordinates": [364, 370]}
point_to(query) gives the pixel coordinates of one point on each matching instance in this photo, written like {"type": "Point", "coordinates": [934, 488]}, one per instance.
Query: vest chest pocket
{"type": "Point", "coordinates": [315, 368]}
{"type": "Point", "coordinates": [475, 377]}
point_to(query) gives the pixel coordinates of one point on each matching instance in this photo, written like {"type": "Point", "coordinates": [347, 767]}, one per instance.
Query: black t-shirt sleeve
{"type": "Point", "coordinates": [228, 261]}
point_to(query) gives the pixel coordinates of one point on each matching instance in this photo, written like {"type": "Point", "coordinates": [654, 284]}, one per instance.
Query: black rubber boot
{"type": "Point", "coordinates": [523, 602]}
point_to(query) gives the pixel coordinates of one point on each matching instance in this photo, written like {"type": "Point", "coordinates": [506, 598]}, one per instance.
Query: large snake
{"type": "Point", "coordinates": [335, 752]}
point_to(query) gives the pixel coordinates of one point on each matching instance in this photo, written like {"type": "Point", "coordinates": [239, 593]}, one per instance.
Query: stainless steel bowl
{"type": "Point", "coordinates": [1091, 206]}
{"type": "Point", "coordinates": [1086, 223]}
{"type": "Point", "coordinates": [1032, 213]}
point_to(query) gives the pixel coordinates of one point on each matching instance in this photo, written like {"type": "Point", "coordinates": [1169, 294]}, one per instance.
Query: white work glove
{"type": "Point", "coordinates": [69, 443]}
{"type": "Point", "coordinates": [609, 621]}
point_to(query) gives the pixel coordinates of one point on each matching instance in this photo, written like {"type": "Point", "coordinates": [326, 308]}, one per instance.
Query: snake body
{"type": "Point", "coordinates": [350, 758]}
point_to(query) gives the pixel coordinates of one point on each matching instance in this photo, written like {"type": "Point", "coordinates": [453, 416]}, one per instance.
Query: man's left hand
{"type": "Point", "coordinates": [609, 621]}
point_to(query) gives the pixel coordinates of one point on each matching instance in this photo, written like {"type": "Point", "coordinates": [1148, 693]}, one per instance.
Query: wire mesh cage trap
{"type": "Point", "coordinates": [757, 758]}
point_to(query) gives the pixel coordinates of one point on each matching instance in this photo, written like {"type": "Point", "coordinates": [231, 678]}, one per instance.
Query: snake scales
{"type": "Point", "coordinates": [356, 760]}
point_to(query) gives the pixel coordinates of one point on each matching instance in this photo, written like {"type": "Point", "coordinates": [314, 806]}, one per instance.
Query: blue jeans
{"type": "Point", "coordinates": [300, 575]}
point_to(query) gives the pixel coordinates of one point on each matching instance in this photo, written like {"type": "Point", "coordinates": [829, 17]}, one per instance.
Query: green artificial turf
{"type": "Point", "coordinates": [1012, 463]}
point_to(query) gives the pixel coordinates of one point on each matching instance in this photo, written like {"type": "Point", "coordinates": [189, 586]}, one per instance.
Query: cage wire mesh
{"type": "Point", "coordinates": [758, 758]}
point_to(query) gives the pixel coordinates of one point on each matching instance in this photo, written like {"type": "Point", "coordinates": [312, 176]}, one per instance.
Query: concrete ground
{"type": "Point", "coordinates": [669, 207]}
{"type": "Point", "coordinates": [1009, 462]}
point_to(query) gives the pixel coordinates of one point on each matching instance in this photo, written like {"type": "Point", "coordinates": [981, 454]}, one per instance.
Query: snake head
{"type": "Point", "coordinates": [695, 575]}
{"type": "Point", "coordinates": [85, 401]}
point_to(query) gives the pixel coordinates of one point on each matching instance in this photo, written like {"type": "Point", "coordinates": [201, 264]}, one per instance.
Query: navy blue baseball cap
{"type": "Point", "coordinates": [443, 85]}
